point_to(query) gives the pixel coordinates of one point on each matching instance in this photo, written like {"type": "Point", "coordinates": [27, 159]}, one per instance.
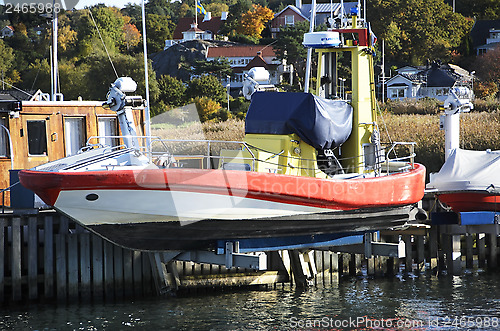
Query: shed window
{"type": "Point", "coordinates": [108, 127]}
{"type": "Point", "coordinates": [289, 20]}
{"type": "Point", "coordinates": [37, 138]}
{"type": "Point", "coordinates": [74, 134]}
{"type": "Point", "coordinates": [4, 139]}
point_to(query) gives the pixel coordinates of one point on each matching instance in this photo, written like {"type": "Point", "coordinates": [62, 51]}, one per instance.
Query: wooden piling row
{"type": "Point", "coordinates": [48, 257]}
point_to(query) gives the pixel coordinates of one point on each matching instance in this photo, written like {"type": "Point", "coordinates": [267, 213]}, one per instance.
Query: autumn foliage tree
{"type": "Point", "coordinates": [253, 21]}
{"type": "Point", "coordinates": [131, 36]}
{"type": "Point", "coordinates": [488, 70]}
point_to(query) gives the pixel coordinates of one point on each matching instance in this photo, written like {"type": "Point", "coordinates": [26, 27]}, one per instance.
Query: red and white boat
{"type": "Point", "coordinates": [469, 181]}
{"type": "Point", "coordinates": [309, 165]}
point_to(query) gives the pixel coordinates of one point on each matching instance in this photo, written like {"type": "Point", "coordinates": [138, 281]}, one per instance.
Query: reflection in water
{"type": "Point", "coordinates": [420, 302]}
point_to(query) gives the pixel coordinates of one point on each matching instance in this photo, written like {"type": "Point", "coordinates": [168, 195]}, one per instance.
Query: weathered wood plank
{"type": "Point", "coordinates": [97, 268]}
{"type": "Point", "coordinates": [63, 224]}
{"type": "Point", "coordinates": [493, 251]}
{"type": "Point", "coordinates": [128, 274]}
{"type": "Point", "coordinates": [16, 259]}
{"type": "Point", "coordinates": [61, 267]}
{"type": "Point", "coordinates": [72, 266]}
{"type": "Point", "coordinates": [137, 273]}
{"type": "Point", "coordinates": [118, 271]}
{"type": "Point", "coordinates": [481, 249]}
{"type": "Point", "coordinates": [85, 266]}
{"type": "Point", "coordinates": [409, 253]}
{"type": "Point", "coordinates": [48, 257]}
{"type": "Point", "coordinates": [108, 271]}
{"type": "Point", "coordinates": [469, 251]}
{"type": "Point", "coordinates": [147, 276]}
{"type": "Point", "coordinates": [3, 223]}
{"type": "Point", "coordinates": [32, 258]}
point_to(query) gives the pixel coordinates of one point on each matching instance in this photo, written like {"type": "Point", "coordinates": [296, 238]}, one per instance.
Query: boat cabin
{"type": "Point", "coordinates": [33, 132]}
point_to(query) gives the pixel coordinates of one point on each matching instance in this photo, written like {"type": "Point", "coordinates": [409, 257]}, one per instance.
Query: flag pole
{"type": "Point", "coordinates": [196, 12]}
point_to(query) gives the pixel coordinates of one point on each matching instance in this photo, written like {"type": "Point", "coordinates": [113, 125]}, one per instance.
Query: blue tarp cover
{"type": "Point", "coordinates": [322, 123]}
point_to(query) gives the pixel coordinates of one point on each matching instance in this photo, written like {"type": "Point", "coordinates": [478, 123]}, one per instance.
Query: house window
{"type": "Point", "coordinates": [107, 127]}
{"type": "Point", "coordinates": [4, 139]}
{"type": "Point", "coordinates": [74, 134]}
{"type": "Point", "coordinates": [37, 138]}
{"type": "Point", "coordinates": [289, 19]}
{"type": "Point", "coordinates": [397, 92]}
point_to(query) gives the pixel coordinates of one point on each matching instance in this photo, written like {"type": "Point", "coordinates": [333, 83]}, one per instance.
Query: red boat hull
{"type": "Point", "coordinates": [393, 190]}
{"type": "Point", "coordinates": [464, 201]}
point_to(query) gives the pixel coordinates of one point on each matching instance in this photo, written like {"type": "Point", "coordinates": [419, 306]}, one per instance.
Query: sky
{"type": "Point", "coordinates": [115, 3]}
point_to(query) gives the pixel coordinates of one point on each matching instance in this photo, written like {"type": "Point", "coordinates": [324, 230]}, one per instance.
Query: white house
{"type": "Point", "coordinates": [7, 31]}
{"type": "Point", "coordinates": [242, 58]}
{"type": "Point", "coordinates": [432, 82]}
{"type": "Point", "coordinates": [492, 41]}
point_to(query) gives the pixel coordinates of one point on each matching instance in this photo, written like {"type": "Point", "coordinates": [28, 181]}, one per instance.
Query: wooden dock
{"type": "Point", "coordinates": [47, 257]}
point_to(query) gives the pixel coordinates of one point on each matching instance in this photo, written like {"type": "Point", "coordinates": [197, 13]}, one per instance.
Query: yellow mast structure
{"type": "Point", "coordinates": [363, 92]}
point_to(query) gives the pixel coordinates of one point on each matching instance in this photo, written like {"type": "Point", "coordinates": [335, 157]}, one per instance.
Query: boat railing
{"type": "Point", "coordinates": [407, 160]}
{"type": "Point", "coordinates": [208, 151]}
{"type": "Point", "coordinates": [396, 156]}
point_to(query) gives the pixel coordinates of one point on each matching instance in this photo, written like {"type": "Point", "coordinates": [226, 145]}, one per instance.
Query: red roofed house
{"type": "Point", "coordinates": [187, 29]}
{"type": "Point", "coordinates": [245, 57]}
{"type": "Point", "coordinates": [7, 31]}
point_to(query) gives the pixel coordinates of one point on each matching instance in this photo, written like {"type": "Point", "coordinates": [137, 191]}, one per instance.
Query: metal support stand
{"type": "Point", "coordinates": [167, 278]}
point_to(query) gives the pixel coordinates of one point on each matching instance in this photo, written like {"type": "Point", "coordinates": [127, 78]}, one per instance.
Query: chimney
{"type": "Point", "coordinates": [298, 4]}
{"type": "Point", "coordinates": [208, 16]}
{"type": "Point", "coordinates": [223, 16]}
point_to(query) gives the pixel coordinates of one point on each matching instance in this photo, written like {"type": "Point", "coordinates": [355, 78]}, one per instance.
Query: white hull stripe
{"type": "Point", "coordinates": [138, 206]}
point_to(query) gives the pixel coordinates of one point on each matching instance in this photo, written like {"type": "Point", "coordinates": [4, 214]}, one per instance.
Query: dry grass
{"type": "Point", "coordinates": [479, 131]}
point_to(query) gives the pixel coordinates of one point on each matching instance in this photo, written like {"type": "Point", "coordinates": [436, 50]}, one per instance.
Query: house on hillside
{"type": "Point", "coordinates": [7, 32]}
{"type": "Point", "coordinates": [431, 82]}
{"type": "Point", "coordinates": [302, 12]}
{"type": "Point", "coordinates": [206, 29]}
{"type": "Point", "coordinates": [485, 35]}
{"type": "Point", "coordinates": [245, 57]}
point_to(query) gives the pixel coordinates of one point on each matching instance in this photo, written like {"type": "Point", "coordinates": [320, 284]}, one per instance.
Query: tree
{"type": "Point", "coordinates": [7, 72]}
{"type": "Point", "coordinates": [219, 67]}
{"type": "Point", "coordinates": [206, 86]}
{"type": "Point", "coordinates": [131, 36]}
{"type": "Point", "coordinates": [216, 8]}
{"type": "Point", "coordinates": [109, 22]}
{"type": "Point", "coordinates": [234, 16]}
{"type": "Point", "coordinates": [159, 28]}
{"type": "Point", "coordinates": [253, 21]}
{"type": "Point", "coordinates": [207, 108]}
{"type": "Point", "coordinates": [480, 9]}
{"type": "Point", "coordinates": [289, 46]}
{"type": "Point", "coordinates": [488, 70]}
{"type": "Point", "coordinates": [418, 29]}
{"type": "Point", "coordinates": [66, 36]}
{"type": "Point", "coordinates": [171, 91]}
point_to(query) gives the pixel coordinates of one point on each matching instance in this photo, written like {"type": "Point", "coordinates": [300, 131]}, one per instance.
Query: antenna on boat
{"type": "Point", "coordinates": [147, 117]}
{"type": "Point", "coordinates": [309, 50]}
{"type": "Point", "coordinates": [54, 68]}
